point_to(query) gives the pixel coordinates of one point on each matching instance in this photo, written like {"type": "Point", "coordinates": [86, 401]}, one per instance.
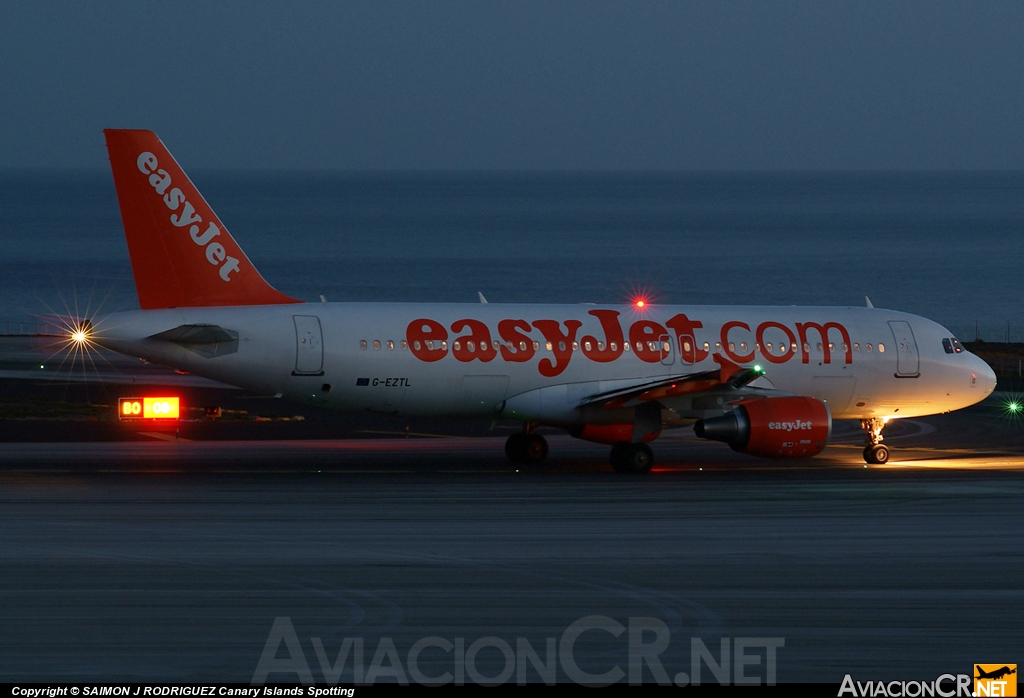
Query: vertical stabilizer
{"type": "Point", "coordinates": [182, 255]}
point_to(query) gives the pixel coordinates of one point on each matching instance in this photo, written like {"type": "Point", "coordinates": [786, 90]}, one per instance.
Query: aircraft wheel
{"type": "Point", "coordinates": [535, 449]}
{"type": "Point", "coordinates": [618, 457]}
{"type": "Point", "coordinates": [632, 458]}
{"type": "Point", "coordinates": [877, 454]}
{"type": "Point", "coordinates": [515, 447]}
{"type": "Point", "coordinates": [528, 449]}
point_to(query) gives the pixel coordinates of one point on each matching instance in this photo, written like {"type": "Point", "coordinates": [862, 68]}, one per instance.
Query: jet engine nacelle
{"type": "Point", "coordinates": [775, 427]}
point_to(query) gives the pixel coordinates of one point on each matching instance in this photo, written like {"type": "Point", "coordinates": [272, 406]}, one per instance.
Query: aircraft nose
{"type": "Point", "coordinates": [985, 376]}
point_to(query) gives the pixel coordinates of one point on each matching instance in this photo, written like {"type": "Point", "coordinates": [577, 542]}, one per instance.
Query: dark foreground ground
{"type": "Point", "coordinates": [882, 573]}
{"type": "Point", "coordinates": [129, 554]}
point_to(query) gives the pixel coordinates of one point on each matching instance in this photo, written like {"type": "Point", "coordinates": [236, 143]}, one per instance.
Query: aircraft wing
{"type": "Point", "coordinates": [728, 378]}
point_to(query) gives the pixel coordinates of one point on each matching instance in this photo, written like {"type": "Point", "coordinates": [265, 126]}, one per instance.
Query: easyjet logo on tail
{"type": "Point", "coordinates": [175, 199]}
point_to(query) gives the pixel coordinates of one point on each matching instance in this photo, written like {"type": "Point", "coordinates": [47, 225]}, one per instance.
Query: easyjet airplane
{"type": "Point", "coordinates": [768, 381]}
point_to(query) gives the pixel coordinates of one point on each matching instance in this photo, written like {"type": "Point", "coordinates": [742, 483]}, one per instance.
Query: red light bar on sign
{"type": "Point", "coordinates": [148, 408]}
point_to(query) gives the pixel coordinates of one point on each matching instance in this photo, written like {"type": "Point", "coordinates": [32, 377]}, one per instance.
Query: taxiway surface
{"type": "Point", "coordinates": [171, 560]}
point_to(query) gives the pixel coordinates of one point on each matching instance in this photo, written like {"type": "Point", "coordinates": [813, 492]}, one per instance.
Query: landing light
{"type": "Point", "coordinates": [78, 336]}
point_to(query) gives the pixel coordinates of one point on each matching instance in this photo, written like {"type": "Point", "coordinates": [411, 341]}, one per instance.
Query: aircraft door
{"type": "Point", "coordinates": [908, 361]}
{"type": "Point", "coordinates": [309, 346]}
{"type": "Point", "coordinates": [668, 355]}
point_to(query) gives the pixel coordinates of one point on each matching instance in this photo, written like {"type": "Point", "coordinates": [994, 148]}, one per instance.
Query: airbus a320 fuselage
{"type": "Point", "coordinates": [766, 380]}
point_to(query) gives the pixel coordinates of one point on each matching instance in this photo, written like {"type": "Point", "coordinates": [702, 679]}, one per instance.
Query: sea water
{"type": "Point", "coordinates": [949, 246]}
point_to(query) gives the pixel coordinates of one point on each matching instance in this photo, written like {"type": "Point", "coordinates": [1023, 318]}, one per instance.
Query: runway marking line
{"type": "Point", "coordinates": [413, 433]}
{"type": "Point", "coordinates": [160, 436]}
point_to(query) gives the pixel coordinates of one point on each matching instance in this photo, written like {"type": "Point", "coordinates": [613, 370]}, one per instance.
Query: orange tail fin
{"type": "Point", "coordinates": [182, 255]}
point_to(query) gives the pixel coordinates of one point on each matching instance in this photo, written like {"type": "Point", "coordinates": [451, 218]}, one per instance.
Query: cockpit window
{"type": "Point", "coordinates": [947, 344]}
{"type": "Point", "coordinates": [957, 346]}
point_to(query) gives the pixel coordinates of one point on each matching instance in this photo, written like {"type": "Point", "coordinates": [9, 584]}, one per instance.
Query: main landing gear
{"type": "Point", "coordinates": [632, 458]}
{"type": "Point", "coordinates": [526, 447]}
{"type": "Point", "coordinates": [875, 452]}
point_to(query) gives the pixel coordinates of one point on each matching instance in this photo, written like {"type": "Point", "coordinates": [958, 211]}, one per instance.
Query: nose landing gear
{"type": "Point", "coordinates": [875, 452]}
{"type": "Point", "coordinates": [526, 447]}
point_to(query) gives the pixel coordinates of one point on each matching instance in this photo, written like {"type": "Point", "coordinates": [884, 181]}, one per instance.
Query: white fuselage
{"type": "Point", "coordinates": [375, 356]}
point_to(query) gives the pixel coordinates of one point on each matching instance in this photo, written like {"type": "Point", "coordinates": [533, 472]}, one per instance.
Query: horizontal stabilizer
{"type": "Point", "coordinates": [197, 334]}
{"type": "Point", "coordinates": [206, 340]}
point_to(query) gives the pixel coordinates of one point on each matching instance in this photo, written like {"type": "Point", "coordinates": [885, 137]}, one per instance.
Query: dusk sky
{"type": "Point", "coordinates": [519, 85]}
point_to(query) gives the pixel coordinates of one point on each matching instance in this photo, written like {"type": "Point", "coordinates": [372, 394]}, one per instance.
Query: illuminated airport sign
{"type": "Point", "coordinates": [148, 408]}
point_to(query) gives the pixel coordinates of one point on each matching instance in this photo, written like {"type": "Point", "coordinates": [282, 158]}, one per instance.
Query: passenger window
{"type": "Point", "coordinates": [881, 348]}
{"type": "Point", "coordinates": [707, 347]}
{"type": "Point", "coordinates": [404, 344]}
{"type": "Point", "coordinates": [732, 346]}
{"type": "Point", "coordinates": [625, 346]}
{"type": "Point", "coordinates": [807, 348]}
{"type": "Point", "coordinates": [856, 346]}
{"type": "Point", "coordinates": [457, 345]}
{"type": "Point", "coordinates": [586, 345]}
{"type": "Point", "coordinates": [444, 345]}
{"type": "Point", "coordinates": [868, 347]}
{"type": "Point", "coordinates": [522, 346]}
{"type": "Point", "coordinates": [536, 346]}
{"type": "Point", "coordinates": [743, 346]}
{"type": "Point", "coordinates": [575, 346]}
{"type": "Point", "coordinates": [362, 344]}
{"type": "Point", "coordinates": [600, 346]}
{"type": "Point", "coordinates": [470, 345]}
{"type": "Point", "coordinates": [376, 345]}
{"type": "Point", "coordinates": [416, 345]}
{"type": "Point", "coordinates": [391, 345]}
